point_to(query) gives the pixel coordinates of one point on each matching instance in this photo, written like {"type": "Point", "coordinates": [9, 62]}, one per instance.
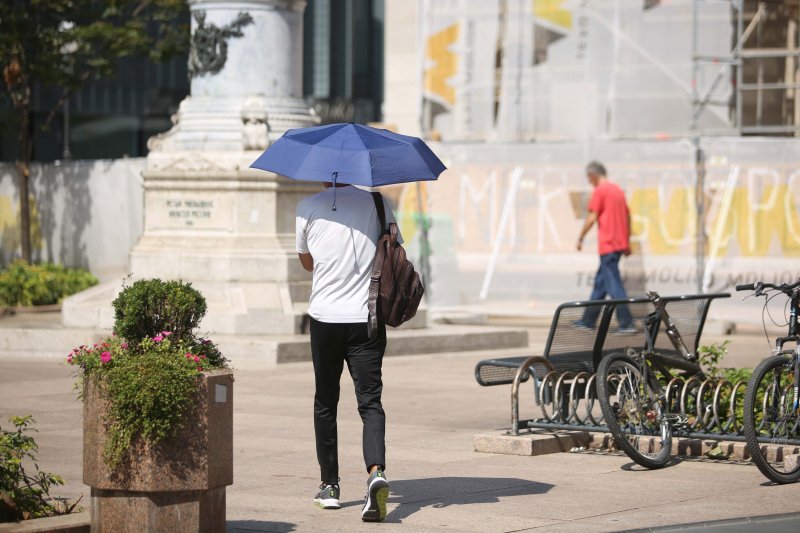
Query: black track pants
{"type": "Point", "coordinates": [331, 346]}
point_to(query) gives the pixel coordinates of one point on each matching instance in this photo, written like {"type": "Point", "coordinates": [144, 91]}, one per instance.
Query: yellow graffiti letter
{"type": "Point", "coordinates": [445, 64]}
{"type": "Point", "coordinates": [551, 11]}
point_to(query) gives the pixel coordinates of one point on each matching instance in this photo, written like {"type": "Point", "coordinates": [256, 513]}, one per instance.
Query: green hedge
{"type": "Point", "coordinates": [22, 284]}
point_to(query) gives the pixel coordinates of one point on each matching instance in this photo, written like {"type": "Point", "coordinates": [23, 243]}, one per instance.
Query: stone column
{"type": "Point", "coordinates": [209, 219]}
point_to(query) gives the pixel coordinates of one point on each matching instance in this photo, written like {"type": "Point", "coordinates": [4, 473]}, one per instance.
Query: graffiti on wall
{"type": "Point", "coordinates": [758, 216]}
{"type": "Point", "coordinates": [752, 214]}
{"type": "Point", "coordinates": [10, 228]}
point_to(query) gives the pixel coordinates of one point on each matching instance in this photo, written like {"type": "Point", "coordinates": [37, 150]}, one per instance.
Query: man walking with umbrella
{"type": "Point", "coordinates": [338, 247]}
{"type": "Point", "coordinates": [337, 231]}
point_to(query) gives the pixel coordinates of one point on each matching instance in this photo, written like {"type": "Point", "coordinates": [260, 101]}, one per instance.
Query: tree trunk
{"type": "Point", "coordinates": [23, 175]}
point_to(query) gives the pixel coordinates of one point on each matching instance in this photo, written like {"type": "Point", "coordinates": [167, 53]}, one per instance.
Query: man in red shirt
{"type": "Point", "coordinates": [609, 209]}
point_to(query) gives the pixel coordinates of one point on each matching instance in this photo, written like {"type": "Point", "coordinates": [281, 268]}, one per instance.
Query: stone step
{"type": "Point", "coordinates": [42, 336]}
{"type": "Point", "coordinates": [267, 350]}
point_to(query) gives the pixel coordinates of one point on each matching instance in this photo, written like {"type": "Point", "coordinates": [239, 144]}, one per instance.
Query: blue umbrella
{"type": "Point", "coordinates": [350, 153]}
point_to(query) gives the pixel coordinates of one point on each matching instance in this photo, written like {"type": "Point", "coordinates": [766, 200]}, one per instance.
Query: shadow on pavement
{"type": "Point", "coordinates": [414, 494]}
{"type": "Point", "coordinates": [634, 467]}
{"type": "Point", "coordinates": [246, 526]}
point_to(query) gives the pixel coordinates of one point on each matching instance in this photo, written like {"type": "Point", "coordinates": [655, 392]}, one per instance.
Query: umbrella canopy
{"type": "Point", "coordinates": [350, 153]}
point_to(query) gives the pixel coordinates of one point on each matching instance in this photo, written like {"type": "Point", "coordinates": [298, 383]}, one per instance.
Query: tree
{"type": "Point", "coordinates": [65, 44]}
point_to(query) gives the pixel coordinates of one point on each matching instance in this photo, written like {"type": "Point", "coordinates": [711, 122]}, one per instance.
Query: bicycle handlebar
{"type": "Point", "coordinates": [759, 287]}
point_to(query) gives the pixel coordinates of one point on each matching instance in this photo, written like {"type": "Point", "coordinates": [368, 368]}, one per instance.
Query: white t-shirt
{"type": "Point", "coordinates": [343, 244]}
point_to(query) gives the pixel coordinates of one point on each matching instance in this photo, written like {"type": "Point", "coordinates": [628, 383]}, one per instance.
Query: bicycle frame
{"type": "Point", "coordinates": [794, 336]}
{"type": "Point", "coordinates": [793, 292]}
{"type": "Point", "coordinates": [652, 325]}
{"type": "Point", "coordinates": [794, 328]}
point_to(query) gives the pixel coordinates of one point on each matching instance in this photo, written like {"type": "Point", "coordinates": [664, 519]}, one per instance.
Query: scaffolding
{"type": "Point", "coordinates": [766, 51]}
{"type": "Point", "coordinates": [757, 23]}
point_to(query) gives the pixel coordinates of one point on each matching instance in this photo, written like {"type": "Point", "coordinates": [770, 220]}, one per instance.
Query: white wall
{"type": "Point", "coordinates": [85, 213]}
{"type": "Point", "coordinates": [401, 67]}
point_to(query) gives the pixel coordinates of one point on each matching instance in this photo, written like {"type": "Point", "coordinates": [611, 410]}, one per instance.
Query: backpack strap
{"type": "Point", "coordinates": [377, 265]}
{"type": "Point", "coordinates": [378, 199]}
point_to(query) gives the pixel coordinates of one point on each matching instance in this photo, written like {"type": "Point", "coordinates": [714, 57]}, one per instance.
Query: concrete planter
{"type": "Point", "coordinates": [177, 485]}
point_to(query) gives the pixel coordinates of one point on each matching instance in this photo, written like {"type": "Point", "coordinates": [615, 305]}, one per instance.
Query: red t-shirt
{"type": "Point", "coordinates": [608, 201]}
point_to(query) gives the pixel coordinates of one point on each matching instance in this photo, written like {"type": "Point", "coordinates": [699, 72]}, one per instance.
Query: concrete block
{"type": "Point", "coordinates": [790, 461]}
{"type": "Point", "coordinates": [739, 451]}
{"type": "Point", "coordinates": [688, 447]}
{"type": "Point", "coordinates": [531, 443]}
{"type": "Point", "coordinates": [601, 441]}
{"type": "Point", "coordinates": [503, 444]}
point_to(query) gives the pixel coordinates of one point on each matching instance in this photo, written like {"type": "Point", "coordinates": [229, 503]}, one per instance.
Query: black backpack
{"type": "Point", "coordinates": [395, 288]}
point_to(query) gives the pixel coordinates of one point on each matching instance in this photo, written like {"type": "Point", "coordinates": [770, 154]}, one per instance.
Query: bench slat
{"type": "Point", "coordinates": [499, 371]}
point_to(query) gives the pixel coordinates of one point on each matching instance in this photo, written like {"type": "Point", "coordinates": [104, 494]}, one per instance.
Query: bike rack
{"type": "Point", "coordinates": [710, 406]}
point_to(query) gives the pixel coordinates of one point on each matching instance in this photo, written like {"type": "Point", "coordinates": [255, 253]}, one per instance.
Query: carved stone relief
{"type": "Point", "coordinates": [209, 46]}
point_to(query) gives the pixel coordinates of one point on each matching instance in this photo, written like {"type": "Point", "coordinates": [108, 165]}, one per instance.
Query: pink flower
{"type": "Point", "coordinates": [105, 357]}
{"type": "Point", "coordinates": [124, 345]}
{"type": "Point", "coordinates": [166, 333]}
{"type": "Point", "coordinates": [158, 338]}
{"type": "Point", "coordinates": [69, 359]}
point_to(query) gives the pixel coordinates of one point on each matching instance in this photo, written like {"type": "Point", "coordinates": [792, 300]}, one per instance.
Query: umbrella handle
{"type": "Point", "coordinates": [335, 175]}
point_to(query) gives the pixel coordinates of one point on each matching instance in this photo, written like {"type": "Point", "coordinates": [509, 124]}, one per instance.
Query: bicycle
{"type": "Point", "coordinates": [772, 398]}
{"type": "Point", "coordinates": [637, 409]}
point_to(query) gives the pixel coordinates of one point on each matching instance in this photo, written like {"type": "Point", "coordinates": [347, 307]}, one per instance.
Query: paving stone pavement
{"type": "Point", "coordinates": [434, 408]}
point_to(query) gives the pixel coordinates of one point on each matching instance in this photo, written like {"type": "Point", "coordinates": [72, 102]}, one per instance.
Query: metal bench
{"type": "Point", "coordinates": [572, 354]}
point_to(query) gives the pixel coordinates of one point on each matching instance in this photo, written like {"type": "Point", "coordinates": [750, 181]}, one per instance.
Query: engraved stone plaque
{"type": "Point", "coordinates": [189, 210]}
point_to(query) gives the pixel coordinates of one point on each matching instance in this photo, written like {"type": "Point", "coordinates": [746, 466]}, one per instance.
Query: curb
{"type": "Point", "coordinates": [68, 523]}
{"type": "Point", "coordinates": [542, 442]}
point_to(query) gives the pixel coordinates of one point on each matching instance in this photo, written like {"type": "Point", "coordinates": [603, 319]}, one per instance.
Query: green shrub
{"type": "Point", "coordinates": [149, 368]}
{"type": "Point", "coordinates": [23, 284]}
{"type": "Point", "coordinates": [151, 306]}
{"type": "Point", "coordinates": [23, 495]}
{"type": "Point", "coordinates": [710, 356]}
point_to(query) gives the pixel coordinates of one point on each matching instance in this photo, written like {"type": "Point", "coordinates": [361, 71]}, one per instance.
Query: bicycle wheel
{"type": "Point", "coordinates": [636, 423]}
{"type": "Point", "coordinates": [771, 418]}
